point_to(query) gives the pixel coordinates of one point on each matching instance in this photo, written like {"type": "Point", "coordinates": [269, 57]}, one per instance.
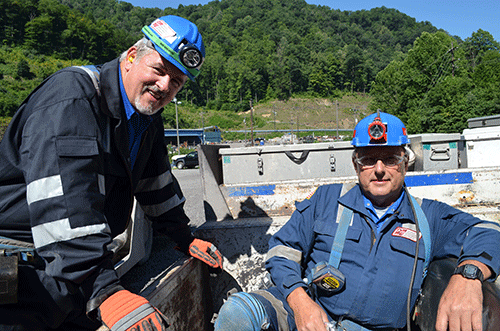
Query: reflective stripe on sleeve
{"type": "Point", "coordinates": [286, 252]}
{"type": "Point", "coordinates": [44, 188]}
{"type": "Point", "coordinates": [154, 183]}
{"type": "Point", "coordinates": [102, 184]}
{"type": "Point", "coordinates": [58, 231]}
{"type": "Point", "coordinates": [491, 226]}
{"type": "Point", "coordinates": [161, 208]}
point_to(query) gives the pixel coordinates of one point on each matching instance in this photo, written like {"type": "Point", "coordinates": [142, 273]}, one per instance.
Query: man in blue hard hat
{"type": "Point", "coordinates": [81, 147]}
{"type": "Point", "coordinates": [349, 257]}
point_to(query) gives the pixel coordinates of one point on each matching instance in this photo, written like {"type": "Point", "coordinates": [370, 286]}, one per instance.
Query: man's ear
{"type": "Point", "coordinates": [130, 58]}
{"type": "Point", "coordinates": [355, 165]}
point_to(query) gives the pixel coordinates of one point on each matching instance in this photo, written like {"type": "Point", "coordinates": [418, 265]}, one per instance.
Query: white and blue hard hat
{"type": "Point", "coordinates": [179, 41]}
{"type": "Point", "coordinates": [380, 129]}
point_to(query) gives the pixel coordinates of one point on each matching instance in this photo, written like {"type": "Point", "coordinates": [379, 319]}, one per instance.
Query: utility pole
{"type": "Point", "coordinates": [251, 120]}
{"type": "Point", "coordinates": [245, 126]}
{"type": "Point", "coordinates": [274, 112]}
{"type": "Point", "coordinates": [337, 105]}
{"type": "Point", "coordinates": [202, 128]}
{"type": "Point", "coordinates": [297, 125]}
{"type": "Point", "coordinates": [177, 127]}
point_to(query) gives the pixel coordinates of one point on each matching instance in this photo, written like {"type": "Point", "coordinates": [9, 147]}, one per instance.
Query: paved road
{"type": "Point", "coordinates": [190, 182]}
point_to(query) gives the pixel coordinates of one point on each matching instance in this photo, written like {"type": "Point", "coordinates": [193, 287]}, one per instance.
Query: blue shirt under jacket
{"type": "Point", "coordinates": [377, 264]}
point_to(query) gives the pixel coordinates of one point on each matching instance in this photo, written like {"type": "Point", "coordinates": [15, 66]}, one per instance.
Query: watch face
{"type": "Point", "coordinates": [470, 271]}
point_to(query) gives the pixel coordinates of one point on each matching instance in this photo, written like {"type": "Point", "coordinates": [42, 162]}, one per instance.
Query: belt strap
{"type": "Point", "coordinates": [23, 250]}
{"type": "Point", "coordinates": [348, 325]}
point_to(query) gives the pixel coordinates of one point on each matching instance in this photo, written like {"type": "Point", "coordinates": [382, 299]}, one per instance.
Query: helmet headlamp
{"type": "Point", "coordinates": [190, 56]}
{"type": "Point", "coordinates": [377, 131]}
{"type": "Point", "coordinates": [178, 41]}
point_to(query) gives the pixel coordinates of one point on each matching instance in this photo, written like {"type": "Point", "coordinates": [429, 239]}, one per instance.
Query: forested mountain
{"type": "Point", "coordinates": [263, 50]}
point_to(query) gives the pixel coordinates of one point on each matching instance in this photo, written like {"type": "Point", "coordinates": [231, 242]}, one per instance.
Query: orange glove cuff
{"type": "Point", "coordinates": [124, 310]}
{"type": "Point", "coordinates": [206, 252]}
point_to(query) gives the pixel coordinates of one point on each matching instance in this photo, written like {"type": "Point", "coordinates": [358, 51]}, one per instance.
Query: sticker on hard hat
{"type": "Point", "coordinates": [164, 30]}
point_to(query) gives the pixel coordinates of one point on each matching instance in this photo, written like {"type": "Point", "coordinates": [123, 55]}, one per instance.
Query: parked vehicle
{"type": "Point", "coordinates": [189, 160]}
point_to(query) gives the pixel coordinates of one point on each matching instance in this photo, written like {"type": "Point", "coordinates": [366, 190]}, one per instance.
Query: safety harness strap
{"type": "Point", "coordinates": [424, 228]}
{"type": "Point", "coordinates": [340, 235]}
{"type": "Point", "coordinates": [94, 74]}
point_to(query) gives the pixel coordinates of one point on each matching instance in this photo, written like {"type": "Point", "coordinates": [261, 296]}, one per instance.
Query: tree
{"type": "Point", "coordinates": [432, 88]}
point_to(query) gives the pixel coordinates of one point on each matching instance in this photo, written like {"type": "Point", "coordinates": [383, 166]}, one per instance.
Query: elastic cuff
{"type": "Point", "coordinates": [93, 304]}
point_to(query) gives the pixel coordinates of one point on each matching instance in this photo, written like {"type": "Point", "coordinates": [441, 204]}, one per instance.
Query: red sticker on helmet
{"type": "Point", "coordinates": [164, 30]}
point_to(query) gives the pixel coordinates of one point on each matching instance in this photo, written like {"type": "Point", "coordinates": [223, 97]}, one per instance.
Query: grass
{"type": "Point", "coordinates": [296, 114]}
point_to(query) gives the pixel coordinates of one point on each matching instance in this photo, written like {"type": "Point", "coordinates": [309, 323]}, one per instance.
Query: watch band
{"type": "Point", "coordinates": [469, 271]}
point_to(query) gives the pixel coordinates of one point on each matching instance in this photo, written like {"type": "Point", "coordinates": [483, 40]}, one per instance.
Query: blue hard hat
{"type": "Point", "coordinates": [380, 129]}
{"type": "Point", "coordinates": [178, 41]}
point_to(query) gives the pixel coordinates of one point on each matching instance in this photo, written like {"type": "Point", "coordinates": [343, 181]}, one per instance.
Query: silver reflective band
{"type": "Point", "coordinates": [102, 184]}
{"type": "Point", "coordinates": [133, 317]}
{"type": "Point", "coordinates": [58, 231]}
{"type": "Point", "coordinates": [285, 252]}
{"type": "Point", "coordinates": [162, 208]}
{"type": "Point", "coordinates": [154, 183]}
{"type": "Point", "coordinates": [491, 226]}
{"type": "Point", "coordinates": [44, 188]}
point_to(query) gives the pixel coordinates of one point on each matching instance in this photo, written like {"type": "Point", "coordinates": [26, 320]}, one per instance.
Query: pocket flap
{"type": "Point", "coordinates": [77, 146]}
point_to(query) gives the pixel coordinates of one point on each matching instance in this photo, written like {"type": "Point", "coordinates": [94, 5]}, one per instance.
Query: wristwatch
{"type": "Point", "coordinates": [469, 271]}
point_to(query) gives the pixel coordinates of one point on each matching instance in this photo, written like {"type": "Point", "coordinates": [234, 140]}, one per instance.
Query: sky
{"type": "Point", "coordinates": [457, 17]}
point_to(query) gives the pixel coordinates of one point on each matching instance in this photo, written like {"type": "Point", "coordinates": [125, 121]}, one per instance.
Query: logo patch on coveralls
{"type": "Point", "coordinates": [406, 233]}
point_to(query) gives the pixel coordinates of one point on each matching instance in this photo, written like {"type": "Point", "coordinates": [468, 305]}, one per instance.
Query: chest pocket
{"type": "Point", "coordinates": [324, 232]}
{"type": "Point", "coordinates": [407, 247]}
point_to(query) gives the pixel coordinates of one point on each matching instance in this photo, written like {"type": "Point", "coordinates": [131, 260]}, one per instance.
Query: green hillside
{"type": "Point", "coordinates": [285, 56]}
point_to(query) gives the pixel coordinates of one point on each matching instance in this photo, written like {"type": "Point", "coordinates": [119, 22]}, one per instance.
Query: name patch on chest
{"type": "Point", "coordinates": [406, 233]}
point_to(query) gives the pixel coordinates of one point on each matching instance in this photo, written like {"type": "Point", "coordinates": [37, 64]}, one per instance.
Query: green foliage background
{"type": "Point", "coordinates": [268, 51]}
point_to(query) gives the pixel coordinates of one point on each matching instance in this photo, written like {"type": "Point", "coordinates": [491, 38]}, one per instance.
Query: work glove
{"type": "Point", "coordinates": [207, 252]}
{"type": "Point", "coordinates": [125, 311]}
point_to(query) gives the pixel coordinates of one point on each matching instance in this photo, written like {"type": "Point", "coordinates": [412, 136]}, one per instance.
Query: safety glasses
{"type": "Point", "coordinates": [391, 161]}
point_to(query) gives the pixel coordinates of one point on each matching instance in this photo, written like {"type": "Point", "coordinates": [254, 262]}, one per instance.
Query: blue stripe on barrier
{"type": "Point", "coordinates": [251, 190]}
{"type": "Point", "coordinates": [439, 179]}
{"type": "Point", "coordinates": [420, 180]}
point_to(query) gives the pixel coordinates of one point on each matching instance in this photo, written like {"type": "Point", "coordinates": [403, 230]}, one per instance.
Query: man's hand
{"type": "Point", "coordinates": [461, 305]}
{"type": "Point", "coordinates": [309, 316]}
{"type": "Point", "coordinates": [207, 252]}
{"type": "Point", "coordinates": [126, 311]}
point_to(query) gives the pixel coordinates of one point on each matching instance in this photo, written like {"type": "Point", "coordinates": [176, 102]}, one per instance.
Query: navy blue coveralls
{"type": "Point", "coordinates": [377, 264]}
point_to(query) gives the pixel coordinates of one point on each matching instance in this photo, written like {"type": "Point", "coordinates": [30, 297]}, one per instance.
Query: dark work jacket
{"type": "Point", "coordinates": [66, 183]}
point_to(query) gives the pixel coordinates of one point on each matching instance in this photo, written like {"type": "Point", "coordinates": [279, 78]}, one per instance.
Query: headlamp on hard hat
{"type": "Point", "coordinates": [178, 41]}
{"type": "Point", "coordinates": [190, 56]}
{"type": "Point", "coordinates": [377, 130]}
